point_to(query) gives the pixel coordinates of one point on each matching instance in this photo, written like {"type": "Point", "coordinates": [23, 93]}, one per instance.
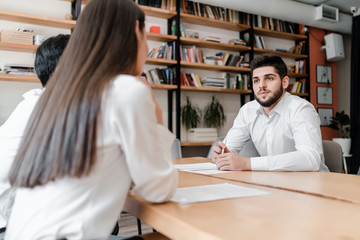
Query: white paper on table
{"type": "Point", "coordinates": [202, 168]}
{"type": "Point", "coordinates": [213, 192]}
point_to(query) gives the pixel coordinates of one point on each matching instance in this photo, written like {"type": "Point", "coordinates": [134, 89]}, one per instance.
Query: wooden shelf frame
{"type": "Point", "coordinates": [157, 12]}
{"type": "Point", "coordinates": [37, 20]}
{"type": "Point", "coordinates": [18, 78]}
{"type": "Point", "coordinates": [210, 67]}
{"type": "Point", "coordinates": [160, 37]}
{"type": "Point", "coordinates": [18, 47]}
{"type": "Point", "coordinates": [195, 144]}
{"type": "Point", "coordinates": [163, 86]}
{"type": "Point", "coordinates": [278, 34]}
{"type": "Point", "coordinates": [214, 45]}
{"type": "Point", "coordinates": [282, 54]}
{"type": "Point", "coordinates": [158, 61]}
{"type": "Point", "coordinates": [188, 18]}
{"type": "Point", "coordinates": [297, 75]}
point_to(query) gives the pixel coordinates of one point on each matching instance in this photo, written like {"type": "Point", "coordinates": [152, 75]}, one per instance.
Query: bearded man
{"type": "Point", "coordinates": [284, 128]}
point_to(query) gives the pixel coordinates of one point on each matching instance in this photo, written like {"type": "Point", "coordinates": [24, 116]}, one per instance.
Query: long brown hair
{"type": "Point", "coordinates": [60, 139]}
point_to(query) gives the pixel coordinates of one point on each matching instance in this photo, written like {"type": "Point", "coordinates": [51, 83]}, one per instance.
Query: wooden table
{"type": "Point", "coordinates": [332, 185]}
{"type": "Point", "coordinates": [282, 214]}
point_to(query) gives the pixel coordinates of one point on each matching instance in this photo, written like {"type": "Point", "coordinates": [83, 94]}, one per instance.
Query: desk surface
{"type": "Point", "coordinates": [332, 185]}
{"type": "Point", "coordinates": [279, 215]}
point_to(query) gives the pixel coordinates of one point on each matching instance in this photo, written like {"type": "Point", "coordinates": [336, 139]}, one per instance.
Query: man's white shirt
{"type": "Point", "coordinates": [289, 139]}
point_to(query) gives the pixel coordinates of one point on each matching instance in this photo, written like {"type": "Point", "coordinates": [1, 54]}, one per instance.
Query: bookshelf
{"type": "Point", "coordinates": [37, 20]}
{"type": "Point", "coordinates": [195, 144]}
{"type": "Point", "coordinates": [178, 16]}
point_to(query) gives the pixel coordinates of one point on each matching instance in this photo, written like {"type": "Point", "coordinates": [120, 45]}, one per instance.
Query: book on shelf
{"type": "Point", "coordinates": [212, 39]}
{"type": "Point", "coordinates": [190, 79]}
{"type": "Point", "coordinates": [19, 69]}
{"type": "Point", "coordinates": [191, 54]}
{"type": "Point", "coordinates": [165, 51]}
{"type": "Point", "coordinates": [297, 87]}
{"type": "Point", "coordinates": [163, 4]}
{"type": "Point", "coordinates": [214, 12]}
{"type": "Point", "coordinates": [160, 76]}
{"type": "Point", "coordinates": [297, 67]}
{"type": "Point", "coordinates": [237, 42]}
{"type": "Point", "coordinates": [275, 24]}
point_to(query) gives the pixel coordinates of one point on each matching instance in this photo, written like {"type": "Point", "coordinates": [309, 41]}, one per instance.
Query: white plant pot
{"type": "Point", "coordinates": [345, 144]}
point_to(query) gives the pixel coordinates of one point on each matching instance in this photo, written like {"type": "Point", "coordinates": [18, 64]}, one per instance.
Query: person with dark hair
{"type": "Point", "coordinates": [95, 133]}
{"type": "Point", "coordinates": [48, 55]}
{"type": "Point", "coordinates": [284, 128]}
{"type": "Point", "coordinates": [11, 132]}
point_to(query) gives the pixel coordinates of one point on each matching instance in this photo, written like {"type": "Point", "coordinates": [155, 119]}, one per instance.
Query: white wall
{"type": "Point", "coordinates": [11, 92]}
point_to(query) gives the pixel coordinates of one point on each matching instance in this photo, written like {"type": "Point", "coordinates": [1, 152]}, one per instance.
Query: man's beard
{"type": "Point", "coordinates": [277, 95]}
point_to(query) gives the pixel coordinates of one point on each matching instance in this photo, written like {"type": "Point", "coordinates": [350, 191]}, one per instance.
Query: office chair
{"type": "Point", "coordinates": [248, 150]}
{"type": "Point", "coordinates": [333, 156]}
{"type": "Point", "coordinates": [176, 149]}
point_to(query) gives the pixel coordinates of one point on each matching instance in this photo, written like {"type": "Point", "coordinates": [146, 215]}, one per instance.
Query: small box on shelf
{"type": "Point", "coordinates": [16, 37]}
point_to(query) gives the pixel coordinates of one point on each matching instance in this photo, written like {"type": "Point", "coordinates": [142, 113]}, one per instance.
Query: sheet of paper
{"type": "Point", "coordinates": [213, 192]}
{"type": "Point", "coordinates": [202, 168]}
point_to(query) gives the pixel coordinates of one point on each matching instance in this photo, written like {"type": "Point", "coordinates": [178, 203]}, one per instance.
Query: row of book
{"type": "Point", "coordinates": [190, 79]}
{"type": "Point", "coordinates": [191, 54]}
{"type": "Point", "coordinates": [165, 51]}
{"type": "Point", "coordinates": [297, 87]}
{"type": "Point", "coordinates": [160, 76]}
{"type": "Point", "coordinates": [213, 12]}
{"type": "Point", "coordinates": [226, 59]}
{"type": "Point", "coordinates": [164, 4]}
{"type": "Point", "coordinates": [275, 24]}
{"type": "Point", "coordinates": [19, 69]}
{"type": "Point", "coordinates": [297, 67]}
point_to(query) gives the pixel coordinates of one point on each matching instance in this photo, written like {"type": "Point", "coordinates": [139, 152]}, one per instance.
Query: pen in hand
{"type": "Point", "coordinates": [222, 151]}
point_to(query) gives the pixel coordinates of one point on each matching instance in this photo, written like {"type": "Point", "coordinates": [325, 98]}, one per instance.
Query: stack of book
{"type": "Point", "coordinates": [216, 82]}
{"type": "Point", "coordinates": [202, 134]}
{"type": "Point", "coordinates": [19, 69]}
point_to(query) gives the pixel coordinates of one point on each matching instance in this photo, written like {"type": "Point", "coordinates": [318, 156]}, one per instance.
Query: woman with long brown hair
{"type": "Point", "coordinates": [95, 133]}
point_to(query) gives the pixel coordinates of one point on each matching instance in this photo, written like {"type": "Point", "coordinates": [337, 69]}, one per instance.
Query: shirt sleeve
{"type": "Point", "coordinates": [146, 145]}
{"type": "Point", "coordinates": [305, 124]}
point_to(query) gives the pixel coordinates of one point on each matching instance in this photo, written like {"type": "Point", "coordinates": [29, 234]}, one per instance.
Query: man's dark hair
{"type": "Point", "coordinates": [272, 60]}
{"type": "Point", "coordinates": [48, 55]}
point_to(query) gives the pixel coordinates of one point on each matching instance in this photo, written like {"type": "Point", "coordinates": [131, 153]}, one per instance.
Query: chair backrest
{"type": "Point", "coordinates": [176, 149]}
{"type": "Point", "coordinates": [333, 156]}
{"type": "Point", "coordinates": [248, 150]}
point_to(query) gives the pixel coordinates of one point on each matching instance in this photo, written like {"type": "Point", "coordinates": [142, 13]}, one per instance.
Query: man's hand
{"type": "Point", "coordinates": [231, 161]}
{"type": "Point", "coordinates": [218, 150]}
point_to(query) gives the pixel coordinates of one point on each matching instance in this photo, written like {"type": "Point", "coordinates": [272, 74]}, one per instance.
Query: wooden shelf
{"type": "Point", "coordinates": [37, 20]}
{"type": "Point", "coordinates": [301, 94]}
{"type": "Point", "coordinates": [297, 75]}
{"type": "Point", "coordinates": [278, 34]}
{"type": "Point", "coordinates": [217, 90]}
{"type": "Point", "coordinates": [184, 17]}
{"type": "Point", "coordinates": [157, 12]}
{"type": "Point", "coordinates": [157, 61]}
{"type": "Point", "coordinates": [18, 78]}
{"type": "Point", "coordinates": [195, 144]}
{"type": "Point", "coordinates": [213, 67]}
{"type": "Point", "coordinates": [163, 86]}
{"type": "Point", "coordinates": [213, 45]}
{"type": "Point", "coordinates": [17, 47]}
{"type": "Point", "coordinates": [282, 54]}
{"type": "Point", "coordinates": [160, 37]}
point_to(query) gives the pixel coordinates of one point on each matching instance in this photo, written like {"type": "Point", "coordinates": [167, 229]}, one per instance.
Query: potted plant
{"type": "Point", "coordinates": [341, 122]}
{"type": "Point", "coordinates": [190, 115]}
{"type": "Point", "coordinates": [214, 116]}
